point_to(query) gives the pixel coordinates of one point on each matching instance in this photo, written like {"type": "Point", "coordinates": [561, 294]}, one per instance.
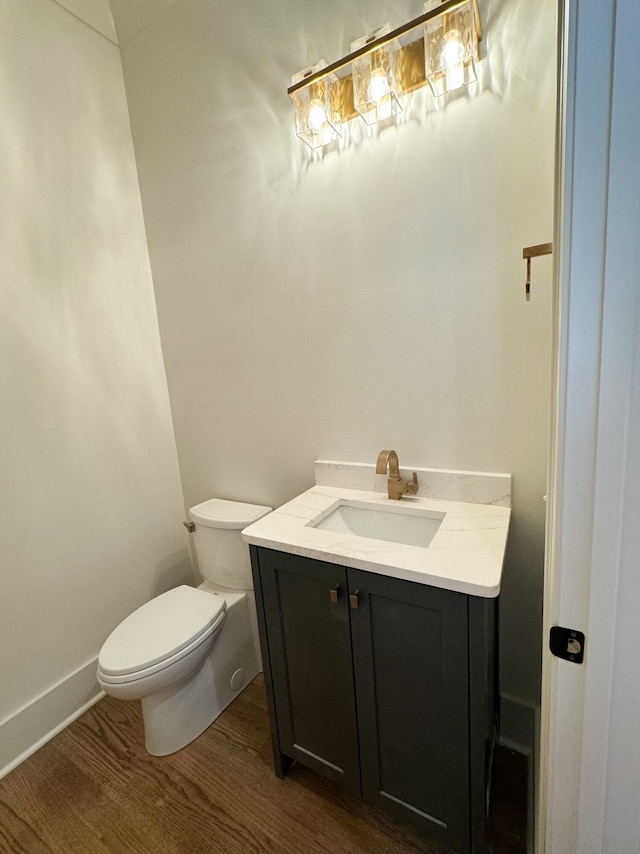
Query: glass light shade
{"type": "Point", "coordinates": [317, 107]}
{"type": "Point", "coordinates": [451, 49]}
{"type": "Point", "coordinates": [376, 88]}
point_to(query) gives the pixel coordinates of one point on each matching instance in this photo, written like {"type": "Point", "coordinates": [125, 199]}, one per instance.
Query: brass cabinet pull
{"type": "Point", "coordinates": [334, 594]}
{"type": "Point", "coordinates": [353, 599]}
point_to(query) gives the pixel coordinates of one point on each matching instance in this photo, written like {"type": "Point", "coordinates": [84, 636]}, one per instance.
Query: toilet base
{"type": "Point", "coordinates": [177, 715]}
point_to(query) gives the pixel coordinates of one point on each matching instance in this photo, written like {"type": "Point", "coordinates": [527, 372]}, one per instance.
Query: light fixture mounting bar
{"type": "Point", "coordinates": [447, 6]}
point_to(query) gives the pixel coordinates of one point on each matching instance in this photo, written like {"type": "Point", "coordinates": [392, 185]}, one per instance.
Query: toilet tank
{"type": "Point", "coordinates": [223, 558]}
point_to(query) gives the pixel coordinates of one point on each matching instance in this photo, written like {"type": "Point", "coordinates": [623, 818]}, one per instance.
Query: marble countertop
{"type": "Point", "coordinates": [466, 554]}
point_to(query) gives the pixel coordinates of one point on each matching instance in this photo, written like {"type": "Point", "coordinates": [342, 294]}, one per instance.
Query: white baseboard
{"type": "Point", "coordinates": [31, 726]}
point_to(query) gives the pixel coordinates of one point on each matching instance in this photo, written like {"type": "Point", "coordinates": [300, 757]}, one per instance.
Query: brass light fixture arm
{"type": "Point", "coordinates": [530, 252]}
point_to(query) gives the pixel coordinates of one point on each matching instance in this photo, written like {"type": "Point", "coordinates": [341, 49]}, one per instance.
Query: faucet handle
{"type": "Point", "coordinates": [412, 485]}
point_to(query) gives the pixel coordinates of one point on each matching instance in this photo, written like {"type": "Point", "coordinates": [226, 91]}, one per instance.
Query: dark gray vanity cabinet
{"type": "Point", "coordinates": [383, 685]}
{"type": "Point", "coordinates": [409, 652]}
{"type": "Point", "coordinates": [309, 657]}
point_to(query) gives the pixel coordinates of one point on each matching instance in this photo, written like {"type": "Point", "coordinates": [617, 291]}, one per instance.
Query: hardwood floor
{"type": "Point", "coordinates": [93, 789]}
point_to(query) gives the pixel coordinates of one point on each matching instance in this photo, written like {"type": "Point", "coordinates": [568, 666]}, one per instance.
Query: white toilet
{"type": "Point", "coordinates": [187, 653]}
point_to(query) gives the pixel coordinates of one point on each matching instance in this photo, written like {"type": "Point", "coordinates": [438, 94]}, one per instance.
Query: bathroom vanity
{"type": "Point", "coordinates": [380, 675]}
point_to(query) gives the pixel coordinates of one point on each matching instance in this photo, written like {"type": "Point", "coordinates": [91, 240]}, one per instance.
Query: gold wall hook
{"type": "Point", "coordinates": [530, 252]}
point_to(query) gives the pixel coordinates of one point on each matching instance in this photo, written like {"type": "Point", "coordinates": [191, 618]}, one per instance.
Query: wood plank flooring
{"type": "Point", "coordinates": [94, 790]}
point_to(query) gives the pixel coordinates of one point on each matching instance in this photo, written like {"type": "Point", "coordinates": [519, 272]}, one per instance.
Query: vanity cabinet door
{"type": "Point", "coordinates": [306, 615]}
{"type": "Point", "coordinates": [410, 649]}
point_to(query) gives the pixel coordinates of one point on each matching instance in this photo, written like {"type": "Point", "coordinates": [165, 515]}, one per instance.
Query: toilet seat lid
{"type": "Point", "coordinates": [219, 513]}
{"type": "Point", "coordinates": [159, 629]}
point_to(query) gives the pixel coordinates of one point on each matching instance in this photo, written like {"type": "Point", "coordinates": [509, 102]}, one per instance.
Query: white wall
{"type": "Point", "coordinates": [328, 307]}
{"type": "Point", "coordinates": [90, 497]}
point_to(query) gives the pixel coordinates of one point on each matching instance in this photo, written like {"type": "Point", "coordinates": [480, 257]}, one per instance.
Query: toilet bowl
{"type": "Point", "coordinates": [187, 653]}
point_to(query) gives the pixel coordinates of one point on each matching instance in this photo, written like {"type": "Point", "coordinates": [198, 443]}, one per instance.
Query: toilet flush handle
{"type": "Point", "coordinates": [190, 526]}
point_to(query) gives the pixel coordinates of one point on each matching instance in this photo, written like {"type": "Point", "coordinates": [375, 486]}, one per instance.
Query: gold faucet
{"type": "Point", "coordinates": [396, 486]}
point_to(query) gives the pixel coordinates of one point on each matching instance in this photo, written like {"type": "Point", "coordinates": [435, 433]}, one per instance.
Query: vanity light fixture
{"type": "Point", "coordinates": [440, 47]}
{"type": "Point", "coordinates": [376, 92]}
{"type": "Point", "coordinates": [317, 105]}
{"type": "Point", "coordinates": [451, 47]}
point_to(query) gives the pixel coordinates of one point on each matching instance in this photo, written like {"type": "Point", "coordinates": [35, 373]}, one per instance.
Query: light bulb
{"type": "Point", "coordinates": [451, 60]}
{"type": "Point", "coordinates": [378, 86]}
{"type": "Point", "coordinates": [317, 116]}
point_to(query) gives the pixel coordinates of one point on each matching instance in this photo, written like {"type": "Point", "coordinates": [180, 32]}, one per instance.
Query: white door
{"type": "Point", "coordinates": [590, 745]}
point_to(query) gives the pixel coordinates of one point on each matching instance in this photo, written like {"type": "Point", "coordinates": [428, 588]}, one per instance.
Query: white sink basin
{"type": "Point", "coordinates": [406, 525]}
{"type": "Point", "coordinates": [455, 545]}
